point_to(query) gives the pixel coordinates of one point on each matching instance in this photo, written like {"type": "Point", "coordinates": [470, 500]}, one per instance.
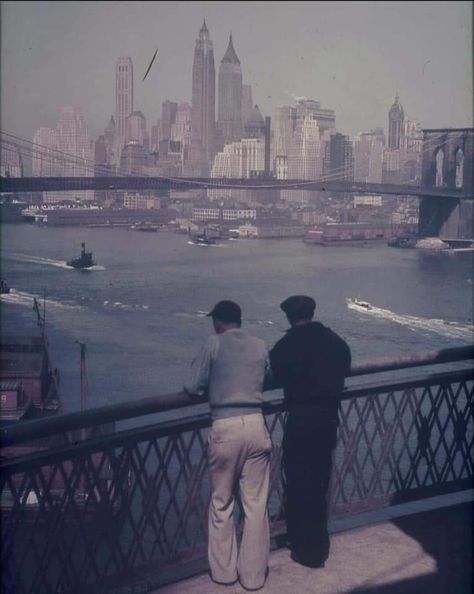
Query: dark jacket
{"type": "Point", "coordinates": [310, 363]}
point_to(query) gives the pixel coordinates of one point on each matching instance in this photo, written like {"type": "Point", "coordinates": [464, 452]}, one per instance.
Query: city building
{"type": "Point", "coordinates": [280, 166]}
{"type": "Point", "coordinates": [325, 118]}
{"type": "Point", "coordinates": [395, 125]}
{"type": "Point", "coordinates": [137, 201]}
{"type": "Point", "coordinates": [134, 159]}
{"type": "Point", "coordinates": [340, 161]}
{"type": "Point", "coordinates": [181, 130]}
{"type": "Point", "coordinates": [135, 129]}
{"type": "Point", "coordinates": [368, 200]}
{"type": "Point", "coordinates": [247, 102]}
{"type": "Point", "coordinates": [203, 105]}
{"type": "Point", "coordinates": [169, 111]}
{"type": "Point", "coordinates": [75, 154]}
{"type": "Point", "coordinates": [110, 137]}
{"type": "Point", "coordinates": [244, 159]}
{"type": "Point", "coordinates": [11, 163]}
{"type": "Point", "coordinates": [284, 123]}
{"type": "Point", "coordinates": [44, 152]}
{"type": "Point", "coordinates": [230, 96]}
{"type": "Point", "coordinates": [123, 98]}
{"type": "Point", "coordinates": [368, 156]}
{"type": "Point", "coordinates": [412, 150]}
{"type": "Point", "coordinates": [255, 124]}
{"type": "Point", "coordinates": [305, 157]}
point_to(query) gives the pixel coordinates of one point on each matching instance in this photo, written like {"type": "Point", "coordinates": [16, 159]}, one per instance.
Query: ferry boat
{"type": "Point", "coordinates": [84, 261]}
{"type": "Point", "coordinates": [359, 304]}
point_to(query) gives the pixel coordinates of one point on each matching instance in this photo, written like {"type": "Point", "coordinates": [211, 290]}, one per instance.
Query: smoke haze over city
{"type": "Point", "coordinates": [353, 57]}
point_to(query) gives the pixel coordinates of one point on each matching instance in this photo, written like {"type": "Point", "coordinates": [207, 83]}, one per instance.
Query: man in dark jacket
{"type": "Point", "coordinates": [310, 363]}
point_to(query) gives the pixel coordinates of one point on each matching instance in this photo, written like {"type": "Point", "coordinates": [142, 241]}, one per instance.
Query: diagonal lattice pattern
{"type": "Point", "coordinates": [113, 508]}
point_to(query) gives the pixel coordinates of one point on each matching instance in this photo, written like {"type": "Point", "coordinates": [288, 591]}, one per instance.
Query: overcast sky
{"type": "Point", "coordinates": [350, 56]}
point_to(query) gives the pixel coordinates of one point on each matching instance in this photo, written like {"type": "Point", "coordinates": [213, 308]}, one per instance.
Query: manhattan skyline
{"type": "Point", "coordinates": [353, 57]}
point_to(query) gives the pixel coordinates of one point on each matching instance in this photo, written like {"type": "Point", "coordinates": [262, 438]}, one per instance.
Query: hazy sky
{"type": "Point", "coordinates": [351, 56]}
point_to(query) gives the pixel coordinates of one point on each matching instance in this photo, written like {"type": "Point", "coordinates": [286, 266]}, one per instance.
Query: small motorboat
{"type": "Point", "coordinates": [359, 303]}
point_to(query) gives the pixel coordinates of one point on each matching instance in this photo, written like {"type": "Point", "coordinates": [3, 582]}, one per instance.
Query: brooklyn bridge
{"type": "Point", "coordinates": [446, 188]}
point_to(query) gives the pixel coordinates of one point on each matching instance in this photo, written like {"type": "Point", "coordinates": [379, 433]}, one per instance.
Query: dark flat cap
{"type": "Point", "coordinates": [299, 307]}
{"type": "Point", "coordinates": [226, 311]}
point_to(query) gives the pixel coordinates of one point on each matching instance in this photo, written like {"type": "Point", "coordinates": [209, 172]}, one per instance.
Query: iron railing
{"type": "Point", "coordinates": [86, 509]}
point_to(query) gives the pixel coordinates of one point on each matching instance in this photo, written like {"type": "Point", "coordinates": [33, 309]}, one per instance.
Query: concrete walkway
{"type": "Point", "coordinates": [419, 548]}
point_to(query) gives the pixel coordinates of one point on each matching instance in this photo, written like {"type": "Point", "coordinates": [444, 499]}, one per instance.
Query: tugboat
{"type": "Point", "coordinates": [84, 261]}
{"type": "Point", "coordinates": [203, 239]}
{"type": "Point", "coordinates": [4, 288]}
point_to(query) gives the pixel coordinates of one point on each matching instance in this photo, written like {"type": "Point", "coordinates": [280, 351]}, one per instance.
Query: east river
{"type": "Point", "coordinates": [141, 310]}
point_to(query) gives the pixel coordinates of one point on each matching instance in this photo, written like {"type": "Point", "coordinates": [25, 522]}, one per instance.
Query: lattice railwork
{"type": "Point", "coordinates": [403, 442]}
{"type": "Point", "coordinates": [115, 509]}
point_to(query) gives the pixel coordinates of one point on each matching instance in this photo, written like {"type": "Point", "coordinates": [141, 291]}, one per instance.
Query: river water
{"type": "Point", "coordinates": [141, 310]}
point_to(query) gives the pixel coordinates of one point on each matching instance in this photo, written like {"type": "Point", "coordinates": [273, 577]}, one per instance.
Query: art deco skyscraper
{"type": "Point", "coordinates": [123, 97]}
{"type": "Point", "coordinates": [230, 96]}
{"type": "Point", "coordinates": [395, 125]}
{"type": "Point", "coordinates": [203, 104]}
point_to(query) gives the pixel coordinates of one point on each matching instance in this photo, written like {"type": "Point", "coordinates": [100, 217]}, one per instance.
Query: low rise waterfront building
{"type": "Point", "coordinates": [140, 201]}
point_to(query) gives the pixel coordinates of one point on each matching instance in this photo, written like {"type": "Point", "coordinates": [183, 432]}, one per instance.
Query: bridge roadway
{"type": "Point", "coordinates": [61, 184]}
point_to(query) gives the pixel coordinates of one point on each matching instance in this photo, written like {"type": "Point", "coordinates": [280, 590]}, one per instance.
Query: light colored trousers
{"type": "Point", "coordinates": [239, 463]}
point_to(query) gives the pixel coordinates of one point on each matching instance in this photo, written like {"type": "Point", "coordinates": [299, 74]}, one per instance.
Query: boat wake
{"type": "Point", "coordinates": [90, 269]}
{"type": "Point", "coordinates": [442, 327]}
{"type": "Point", "coordinates": [125, 306]}
{"type": "Point", "coordinates": [39, 260]}
{"type": "Point", "coordinates": [48, 262]}
{"type": "Point", "coordinates": [26, 299]}
{"type": "Point", "coordinates": [206, 245]}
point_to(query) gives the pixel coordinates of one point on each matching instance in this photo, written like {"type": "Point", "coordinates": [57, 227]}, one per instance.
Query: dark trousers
{"type": "Point", "coordinates": [308, 443]}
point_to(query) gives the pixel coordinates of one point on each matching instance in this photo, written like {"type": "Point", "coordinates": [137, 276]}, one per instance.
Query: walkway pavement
{"type": "Point", "coordinates": [418, 548]}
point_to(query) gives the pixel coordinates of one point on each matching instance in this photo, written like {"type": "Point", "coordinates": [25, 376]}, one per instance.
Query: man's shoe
{"type": "Point", "coordinates": [222, 583]}
{"type": "Point", "coordinates": [260, 587]}
{"type": "Point", "coordinates": [308, 562]}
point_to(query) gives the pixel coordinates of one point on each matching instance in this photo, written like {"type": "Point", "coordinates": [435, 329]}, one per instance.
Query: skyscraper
{"type": "Point", "coordinates": [75, 154]}
{"type": "Point", "coordinates": [368, 156]}
{"type": "Point", "coordinates": [395, 124]}
{"type": "Point", "coordinates": [247, 103]}
{"type": "Point", "coordinates": [203, 104]}
{"type": "Point", "coordinates": [44, 156]}
{"type": "Point", "coordinates": [135, 129]}
{"type": "Point", "coordinates": [341, 157]}
{"type": "Point", "coordinates": [123, 98]}
{"type": "Point", "coordinates": [168, 118]}
{"type": "Point", "coordinates": [230, 96]}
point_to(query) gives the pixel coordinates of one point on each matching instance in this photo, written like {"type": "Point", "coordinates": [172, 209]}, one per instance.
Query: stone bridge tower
{"type": "Point", "coordinates": [447, 163]}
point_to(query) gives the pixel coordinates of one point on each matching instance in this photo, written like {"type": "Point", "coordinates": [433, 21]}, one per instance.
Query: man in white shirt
{"type": "Point", "coordinates": [231, 368]}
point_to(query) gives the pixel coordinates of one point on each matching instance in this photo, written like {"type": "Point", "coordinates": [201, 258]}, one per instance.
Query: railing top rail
{"type": "Point", "coordinates": [28, 430]}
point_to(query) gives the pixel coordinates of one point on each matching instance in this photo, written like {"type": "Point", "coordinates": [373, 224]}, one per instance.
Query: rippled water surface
{"type": "Point", "coordinates": [141, 310]}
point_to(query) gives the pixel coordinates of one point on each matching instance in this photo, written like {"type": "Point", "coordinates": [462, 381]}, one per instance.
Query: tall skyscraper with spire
{"type": "Point", "coordinates": [123, 98]}
{"type": "Point", "coordinates": [203, 105]}
{"type": "Point", "coordinates": [395, 124]}
{"type": "Point", "coordinates": [230, 96]}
